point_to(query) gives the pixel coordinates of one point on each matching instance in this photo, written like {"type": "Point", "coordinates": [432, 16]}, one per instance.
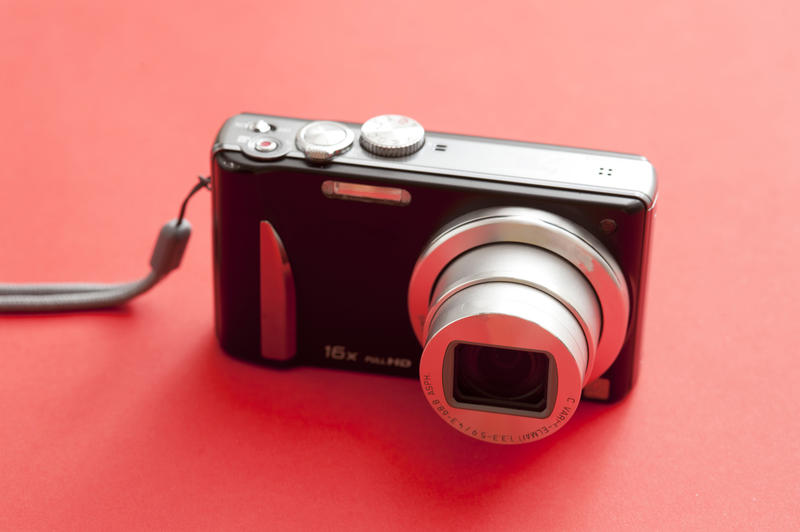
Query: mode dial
{"type": "Point", "coordinates": [392, 135]}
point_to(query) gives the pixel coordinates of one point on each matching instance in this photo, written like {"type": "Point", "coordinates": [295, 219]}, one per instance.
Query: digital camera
{"type": "Point", "coordinates": [507, 276]}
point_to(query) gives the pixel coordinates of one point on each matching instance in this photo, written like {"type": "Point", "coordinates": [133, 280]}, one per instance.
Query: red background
{"type": "Point", "coordinates": [133, 418]}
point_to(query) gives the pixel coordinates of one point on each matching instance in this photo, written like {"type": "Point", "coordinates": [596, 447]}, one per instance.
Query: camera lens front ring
{"type": "Point", "coordinates": [507, 324]}
{"type": "Point", "coordinates": [517, 309]}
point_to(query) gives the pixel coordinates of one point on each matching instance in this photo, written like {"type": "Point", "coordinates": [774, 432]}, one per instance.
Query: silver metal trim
{"type": "Point", "coordinates": [537, 228]}
{"type": "Point", "coordinates": [392, 135]}
{"type": "Point", "coordinates": [278, 316]}
{"type": "Point", "coordinates": [522, 264]}
{"type": "Point", "coordinates": [324, 152]}
{"type": "Point", "coordinates": [498, 160]}
{"type": "Point", "coordinates": [220, 146]}
{"type": "Point", "coordinates": [512, 316]}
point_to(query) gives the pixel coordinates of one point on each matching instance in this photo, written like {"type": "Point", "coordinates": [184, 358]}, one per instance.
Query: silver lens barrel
{"type": "Point", "coordinates": [515, 318]}
{"type": "Point", "coordinates": [527, 265]}
{"type": "Point", "coordinates": [509, 298]}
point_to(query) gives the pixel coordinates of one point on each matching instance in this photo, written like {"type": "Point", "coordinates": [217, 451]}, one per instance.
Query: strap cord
{"type": "Point", "coordinates": [60, 297]}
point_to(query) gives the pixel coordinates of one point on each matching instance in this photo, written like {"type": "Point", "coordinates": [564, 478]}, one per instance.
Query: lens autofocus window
{"type": "Point", "coordinates": [495, 376]}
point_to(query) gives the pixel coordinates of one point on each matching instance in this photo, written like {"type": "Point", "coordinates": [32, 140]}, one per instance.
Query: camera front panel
{"type": "Point", "coordinates": [351, 261]}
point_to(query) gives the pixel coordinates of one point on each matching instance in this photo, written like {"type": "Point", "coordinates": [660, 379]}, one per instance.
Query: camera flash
{"type": "Point", "coordinates": [367, 193]}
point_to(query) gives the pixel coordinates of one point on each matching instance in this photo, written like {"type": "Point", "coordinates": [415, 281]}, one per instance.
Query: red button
{"type": "Point", "coordinates": [266, 145]}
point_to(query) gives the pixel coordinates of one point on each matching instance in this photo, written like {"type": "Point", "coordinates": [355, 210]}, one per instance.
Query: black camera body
{"type": "Point", "coordinates": [321, 230]}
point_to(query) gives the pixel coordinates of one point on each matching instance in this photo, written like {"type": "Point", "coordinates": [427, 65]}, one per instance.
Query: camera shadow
{"type": "Point", "coordinates": [259, 421]}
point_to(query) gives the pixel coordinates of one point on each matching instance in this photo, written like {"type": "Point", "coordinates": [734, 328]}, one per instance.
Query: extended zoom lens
{"type": "Point", "coordinates": [517, 309]}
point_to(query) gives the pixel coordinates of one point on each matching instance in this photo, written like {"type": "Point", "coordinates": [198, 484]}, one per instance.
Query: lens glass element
{"type": "Point", "coordinates": [500, 377]}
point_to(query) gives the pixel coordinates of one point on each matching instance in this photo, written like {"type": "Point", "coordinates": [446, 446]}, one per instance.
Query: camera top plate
{"type": "Point", "coordinates": [464, 156]}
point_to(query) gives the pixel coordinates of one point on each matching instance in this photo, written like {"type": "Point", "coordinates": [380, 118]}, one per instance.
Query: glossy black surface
{"type": "Point", "coordinates": [352, 261]}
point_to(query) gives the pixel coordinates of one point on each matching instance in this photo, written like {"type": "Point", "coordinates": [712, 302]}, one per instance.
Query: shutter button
{"type": "Point", "coordinates": [322, 140]}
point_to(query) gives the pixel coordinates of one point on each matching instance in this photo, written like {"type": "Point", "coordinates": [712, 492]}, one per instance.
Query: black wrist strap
{"type": "Point", "coordinates": [166, 257]}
